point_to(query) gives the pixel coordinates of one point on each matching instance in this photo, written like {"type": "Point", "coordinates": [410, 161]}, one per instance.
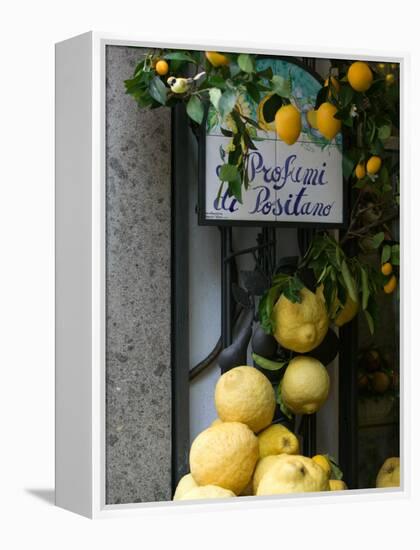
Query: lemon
{"type": "Point", "coordinates": [207, 491]}
{"type": "Point", "coordinates": [389, 474]}
{"type": "Point", "coordinates": [311, 117]}
{"type": "Point", "coordinates": [217, 59]}
{"type": "Point", "coordinates": [337, 485]}
{"type": "Point", "coordinates": [162, 67]}
{"type": "Point", "coordinates": [374, 164]}
{"type": "Point", "coordinates": [293, 474]}
{"type": "Point", "coordinates": [244, 394]}
{"type": "Point", "coordinates": [391, 285]}
{"type": "Point", "coordinates": [305, 385]}
{"type": "Point", "coordinates": [347, 313]}
{"type": "Point", "coordinates": [390, 79]}
{"type": "Point", "coordinates": [360, 76]}
{"type": "Point", "coordinates": [301, 327]}
{"type": "Point", "coordinates": [224, 455]}
{"type": "Point", "coordinates": [386, 268]}
{"type": "Point", "coordinates": [262, 467]}
{"type": "Point", "coordinates": [277, 439]}
{"type": "Point", "coordinates": [216, 421]}
{"type": "Point", "coordinates": [360, 171]}
{"type": "Point", "coordinates": [288, 124]}
{"type": "Point", "coordinates": [325, 464]}
{"type": "Point", "coordinates": [185, 484]}
{"type": "Point", "coordinates": [327, 124]}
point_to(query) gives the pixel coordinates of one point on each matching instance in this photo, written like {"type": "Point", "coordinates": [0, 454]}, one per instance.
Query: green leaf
{"type": "Point", "coordinates": [267, 364]}
{"type": "Point", "coordinates": [365, 288]}
{"type": "Point", "coordinates": [246, 63]}
{"type": "Point", "coordinates": [336, 472]}
{"type": "Point", "coordinates": [228, 173]}
{"type": "Point", "coordinates": [216, 82]}
{"type": "Point", "coordinates": [395, 254]}
{"type": "Point", "coordinates": [378, 239]}
{"type": "Point", "coordinates": [179, 56]}
{"type": "Point", "coordinates": [235, 188]}
{"type": "Point", "coordinates": [158, 90]}
{"type": "Point", "coordinates": [281, 86]}
{"type": "Point", "coordinates": [253, 91]}
{"type": "Point", "coordinates": [227, 102]}
{"type": "Point", "coordinates": [348, 166]}
{"type": "Point", "coordinates": [386, 253]}
{"type": "Point", "coordinates": [284, 409]}
{"type": "Point", "coordinates": [195, 109]}
{"type": "Point", "coordinates": [345, 95]}
{"type": "Point", "coordinates": [292, 291]}
{"type": "Point", "coordinates": [349, 281]}
{"type": "Point", "coordinates": [215, 95]}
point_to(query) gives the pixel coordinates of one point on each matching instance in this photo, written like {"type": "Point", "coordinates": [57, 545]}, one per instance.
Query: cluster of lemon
{"type": "Point", "coordinates": [242, 453]}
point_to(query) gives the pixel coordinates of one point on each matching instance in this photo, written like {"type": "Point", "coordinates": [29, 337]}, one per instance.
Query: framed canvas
{"type": "Point", "coordinates": [227, 215]}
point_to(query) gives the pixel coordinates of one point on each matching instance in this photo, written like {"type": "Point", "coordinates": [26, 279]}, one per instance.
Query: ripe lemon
{"type": "Point", "coordinates": [288, 124]}
{"type": "Point", "coordinates": [386, 268]}
{"type": "Point", "coordinates": [301, 327]}
{"type": "Point", "coordinates": [262, 467]}
{"type": "Point", "coordinates": [162, 67]}
{"type": "Point", "coordinates": [390, 79]}
{"type": "Point", "coordinates": [185, 484]}
{"type": "Point", "coordinates": [360, 171]}
{"type": "Point", "coordinates": [293, 474]}
{"type": "Point", "coordinates": [305, 385]}
{"type": "Point", "coordinates": [360, 76]}
{"type": "Point", "coordinates": [325, 464]}
{"type": "Point", "coordinates": [349, 311]}
{"type": "Point", "coordinates": [224, 455]}
{"type": "Point", "coordinates": [337, 485]}
{"type": "Point", "coordinates": [373, 165]}
{"type": "Point", "coordinates": [391, 285]}
{"type": "Point", "coordinates": [207, 491]}
{"type": "Point", "coordinates": [327, 124]}
{"type": "Point", "coordinates": [389, 474]}
{"type": "Point", "coordinates": [217, 59]}
{"type": "Point", "coordinates": [245, 395]}
{"type": "Point", "coordinates": [277, 439]}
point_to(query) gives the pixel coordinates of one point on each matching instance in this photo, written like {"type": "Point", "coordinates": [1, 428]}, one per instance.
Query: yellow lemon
{"type": "Point", "coordinates": [325, 464]}
{"type": "Point", "coordinates": [262, 467]}
{"type": "Point", "coordinates": [277, 439]}
{"type": "Point", "coordinates": [293, 474]}
{"type": "Point", "coordinates": [391, 285]}
{"type": "Point", "coordinates": [337, 485]}
{"type": "Point", "coordinates": [217, 59]}
{"type": "Point", "coordinates": [244, 394]}
{"type": "Point", "coordinates": [386, 268]}
{"type": "Point", "coordinates": [301, 327]}
{"type": "Point", "coordinates": [224, 455]}
{"type": "Point", "coordinates": [162, 67]}
{"type": "Point", "coordinates": [311, 117]}
{"type": "Point", "coordinates": [305, 385]}
{"type": "Point", "coordinates": [207, 491]}
{"type": "Point", "coordinates": [374, 164]}
{"type": "Point", "coordinates": [349, 311]}
{"type": "Point", "coordinates": [360, 171]}
{"type": "Point", "coordinates": [288, 124]}
{"type": "Point", "coordinates": [327, 124]}
{"type": "Point", "coordinates": [360, 76]}
{"type": "Point", "coordinates": [390, 79]}
{"type": "Point", "coordinates": [389, 474]}
{"type": "Point", "coordinates": [185, 484]}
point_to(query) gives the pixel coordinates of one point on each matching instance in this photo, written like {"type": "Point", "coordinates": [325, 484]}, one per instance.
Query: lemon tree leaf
{"type": "Point", "coordinates": [349, 281]}
{"type": "Point", "coordinates": [228, 173]}
{"type": "Point", "coordinates": [215, 95]}
{"type": "Point", "coordinates": [227, 102]}
{"type": "Point", "coordinates": [386, 253]}
{"type": "Point", "coordinates": [246, 63]}
{"type": "Point", "coordinates": [336, 472]}
{"type": "Point", "coordinates": [158, 90]}
{"type": "Point", "coordinates": [195, 109]}
{"type": "Point", "coordinates": [179, 56]}
{"type": "Point", "coordinates": [395, 254]}
{"type": "Point", "coordinates": [377, 239]}
{"type": "Point", "coordinates": [267, 364]}
{"type": "Point", "coordinates": [281, 86]}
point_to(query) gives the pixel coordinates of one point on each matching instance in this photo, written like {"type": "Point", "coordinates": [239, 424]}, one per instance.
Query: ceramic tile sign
{"type": "Point", "coordinates": [292, 185]}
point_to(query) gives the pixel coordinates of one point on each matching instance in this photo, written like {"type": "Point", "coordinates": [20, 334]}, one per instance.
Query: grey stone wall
{"type": "Point", "coordinates": [138, 326]}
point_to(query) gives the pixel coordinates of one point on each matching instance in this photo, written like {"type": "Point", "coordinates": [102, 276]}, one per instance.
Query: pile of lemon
{"type": "Point", "coordinates": [242, 453]}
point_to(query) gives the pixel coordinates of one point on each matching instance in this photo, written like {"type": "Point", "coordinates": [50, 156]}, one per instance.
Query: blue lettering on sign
{"type": "Point", "coordinates": [294, 202]}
